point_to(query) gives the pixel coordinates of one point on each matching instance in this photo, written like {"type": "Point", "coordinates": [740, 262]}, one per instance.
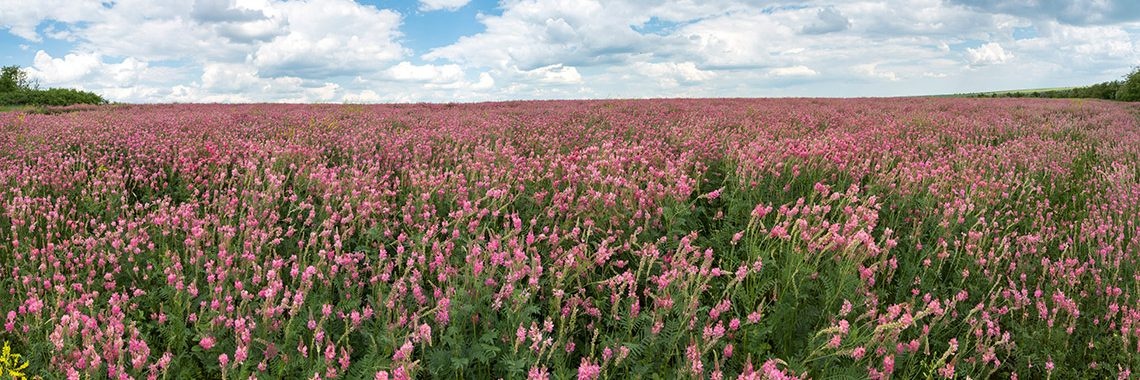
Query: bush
{"type": "Point", "coordinates": [50, 97]}
{"type": "Point", "coordinates": [1130, 90]}
{"type": "Point", "coordinates": [17, 90]}
{"type": "Point", "coordinates": [13, 79]}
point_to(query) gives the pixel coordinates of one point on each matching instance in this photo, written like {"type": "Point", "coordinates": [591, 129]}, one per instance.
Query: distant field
{"type": "Point", "coordinates": [7, 108]}
{"type": "Point", "coordinates": [1004, 92]}
{"type": "Point", "coordinates": [697, 238]}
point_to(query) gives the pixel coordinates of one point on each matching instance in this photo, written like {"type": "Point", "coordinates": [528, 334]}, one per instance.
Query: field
{"type": "Point", "coordinates": [760, 239]}
{"type": "Point", "coordinates": [1010, 92]}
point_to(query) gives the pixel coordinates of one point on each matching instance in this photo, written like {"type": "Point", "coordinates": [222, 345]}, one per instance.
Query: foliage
{"type": "Point", "coordinates": [1130, 89]}
{"type": "Point", "coordinates": [16, 90]}
{"type": "Point", "coordinates": [50, 97]}
{"type": "Point", "coordinates": [1127, 89]}
{"type": "Point", "coordinates": [12, 79]}
{"type": "Point", "coordinates": [869, 238]}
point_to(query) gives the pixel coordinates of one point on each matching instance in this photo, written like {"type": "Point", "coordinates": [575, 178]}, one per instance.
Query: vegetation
{"type": "Point", "coordinates": [1127, 89]}
{"type": "Point", "coordinates": [820, 238]}
{"type": "Point", "coordinates": [17, 90]}
{"type": "Point", "coordinates": [1130, 89]}
{"type": "Point", "coordinates": [12, 79]}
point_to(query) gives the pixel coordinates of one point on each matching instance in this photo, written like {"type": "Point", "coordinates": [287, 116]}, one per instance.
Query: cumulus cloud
{"type": "Point", "coordinates": [830, 20]}
{"type": "Point", "coordinates": [1076, 12]}
{"type": "Point", "coordinates": [223, 11]}
{"type": "Point", "coordinates": [127, 78]}
{"type": "Point", "coordinates": [872, 70]}
{"type": "Point", "coordinates": [435, 5]}
{"type": "Point", "coordinates": [485, 82]}
{"type": "Point", "coordinates": [792, 71]}
{"type": "Point", "coordinates": [70, 68]}
{"type": "Point", "coordinates": [989, 54]}
{"type": "Point", "coordinates": [330, 38]}
{"type": "Point", "coordinates": [407, 71]}
{"type": "Point", "coordinates": [344, 50]}
{"type": "Point", "coordinates": [534, 34]}
{"type": "Point", "coordinates": [22, 17]}
{"type": "Point", "coordinates": [555, 74]}
{"type": "Point", "coordinates": [672, 74]}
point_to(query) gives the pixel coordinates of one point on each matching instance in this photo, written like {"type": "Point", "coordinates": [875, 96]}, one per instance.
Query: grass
{"type": "Point", "coordinates": [16, 108]}
{"type": "Point", "coordinates": [1004, 92]}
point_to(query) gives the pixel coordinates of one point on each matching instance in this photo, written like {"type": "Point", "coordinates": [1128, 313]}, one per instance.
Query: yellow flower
{"type": "Point", "coordinates": [10, 364]}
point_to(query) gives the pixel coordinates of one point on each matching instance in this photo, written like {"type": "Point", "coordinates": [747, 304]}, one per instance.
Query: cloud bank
{"type": "Point", "coordinates": [347, 51]}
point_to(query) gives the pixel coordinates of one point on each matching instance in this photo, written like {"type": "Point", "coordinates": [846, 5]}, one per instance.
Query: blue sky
{"type": "Point", "coordinates": [474, 50]}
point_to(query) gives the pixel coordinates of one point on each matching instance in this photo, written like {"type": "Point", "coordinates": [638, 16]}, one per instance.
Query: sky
{"type": "Point", "coordinates": [345, 51]}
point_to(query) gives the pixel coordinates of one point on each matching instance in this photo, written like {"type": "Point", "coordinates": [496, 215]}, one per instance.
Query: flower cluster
{"type": "Point", "coordinates": [733, 238]}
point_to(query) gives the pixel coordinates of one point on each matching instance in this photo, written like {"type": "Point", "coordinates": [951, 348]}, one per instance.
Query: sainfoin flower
{"type": "Point", "coordinates": [891, 237]}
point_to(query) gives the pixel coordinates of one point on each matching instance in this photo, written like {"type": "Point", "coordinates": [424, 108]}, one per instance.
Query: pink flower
{"type": "Point", "coordinates": [696, 366]}
{"type": "Point", "coordinates": [442, 315]}
{"type": "Point", "coordinates": [588, 370]}
{"type": "Point", "coordinates": [761, 210]}
{"type": "Point", "coordinates": [714, 194]}
{"type": "Point", "coordinates": [404, 353]}
{"type": "Point", "coordinates": [207, 342]}
{"type": "Point", "coordinates": [538, 373]}
{"type": "Point", "coordinates": [835, 341]}
{"type": "Point", "coordinates": [858, 352]}
{"type": "Point", "coordinates": [947, 371]}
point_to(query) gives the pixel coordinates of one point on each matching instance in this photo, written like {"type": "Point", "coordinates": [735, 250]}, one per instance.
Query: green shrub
{"type": "Point", "coordinates": [13, 79]}
{"type": "Point", "coordinates": [17, 90]}
{"type": "Point", "coordinates": [1130, 90]}
{"type": "Point", "coordinates": [50, 97]}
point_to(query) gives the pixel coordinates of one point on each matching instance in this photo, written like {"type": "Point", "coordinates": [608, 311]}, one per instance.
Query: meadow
{"type": "Point", "coordinates": [900, 238]}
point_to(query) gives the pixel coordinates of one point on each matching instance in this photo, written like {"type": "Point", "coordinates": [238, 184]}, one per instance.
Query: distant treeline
{"type": "Point", "coordinates": [17, 90]}
{"type": "Point", "coordinates": [1126, 89]}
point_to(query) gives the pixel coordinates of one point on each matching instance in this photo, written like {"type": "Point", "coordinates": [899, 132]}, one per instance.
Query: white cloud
{"type": "Point", "coordinates": [830, 20]}
{"type": "Point", "coordinates": [988, 54]}
{"type": "Point", "coordinates": [406, 71]}
{"type": "Point", "coordinates": [330, 38]}
{"type": "Point", "coordinates": [223, 11]}
{"type": "Point", "coordinates": [229, 77]}
{"type": "Point", "coordinates": [536, 33]}
{"type": "Point", "coordinates": [435, 5]}
{"type": "Point", "coordinates": [872, 70]}
{"type": "Point", "coordinates": [22, 17]}
{"type": "Point", "coordinates": [672, 74]}
{"type": "Point", "coordinates": [343, 50]}
{"type": "Point", "coordinates": [70, 68]}
{"type": "Point", "coordinates": [555, 74]}
{"type": "Point", "coordinates": [485, 82]}
{"type": "Point", "coordinates": [793, 71]}
{"type": "Point", "coordinates": [366, 96]}
{"type": "Point", "coordinates": [325, 93]}
{"type": "Point", "coordinates": [128, 78]}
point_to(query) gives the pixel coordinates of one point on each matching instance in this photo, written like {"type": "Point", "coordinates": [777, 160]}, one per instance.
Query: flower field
{"type": "Point", "coordinates": [735, 238]}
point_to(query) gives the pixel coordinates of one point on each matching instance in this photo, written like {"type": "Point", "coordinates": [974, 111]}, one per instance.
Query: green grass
{"type": "Point", "coordinates": [1005, 92]}
{"type": "Point", "coordinates": [16, 108]}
